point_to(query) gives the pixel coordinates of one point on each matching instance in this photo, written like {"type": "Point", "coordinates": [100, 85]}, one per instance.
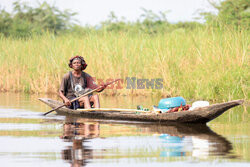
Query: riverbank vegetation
{"type": "Point", "coordinates": [196, 61]}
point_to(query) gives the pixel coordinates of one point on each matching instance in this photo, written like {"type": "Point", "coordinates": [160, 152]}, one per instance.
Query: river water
{"type": "Point", "coordinates": [29, 139]}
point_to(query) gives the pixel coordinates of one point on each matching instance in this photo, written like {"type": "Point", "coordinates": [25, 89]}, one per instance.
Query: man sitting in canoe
{"type": "Point", "coordinates": [75, 83]}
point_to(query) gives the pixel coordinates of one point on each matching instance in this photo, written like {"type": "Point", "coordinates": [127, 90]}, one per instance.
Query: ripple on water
{"type": "Point", "coordinates": [27, 126]}
{"type": "Point", "coordinates": [21, 113]}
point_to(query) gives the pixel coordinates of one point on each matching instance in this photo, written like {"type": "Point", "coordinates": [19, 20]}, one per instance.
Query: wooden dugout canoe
{"type": "Point", "coordinates": [199, 115]}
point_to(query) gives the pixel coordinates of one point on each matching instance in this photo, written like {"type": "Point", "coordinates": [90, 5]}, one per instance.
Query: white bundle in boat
{"type": "Point", "coordinates": [198, 104]}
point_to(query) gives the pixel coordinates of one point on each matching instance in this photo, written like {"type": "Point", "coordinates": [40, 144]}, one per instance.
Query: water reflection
{"type": "Point", "coordinates": [78, 131]}
{"type": "Point", "coordinates": [202, 141]}
{"type": "Point", "coordinates": [98, 141]}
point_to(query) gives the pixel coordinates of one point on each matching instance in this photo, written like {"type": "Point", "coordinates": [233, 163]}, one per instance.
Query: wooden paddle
{"type": "Point", "coordinates": [85, 94]}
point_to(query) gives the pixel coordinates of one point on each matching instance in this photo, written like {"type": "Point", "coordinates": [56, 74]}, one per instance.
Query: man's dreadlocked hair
{"type": "Point", "coordinates": [84, 65]}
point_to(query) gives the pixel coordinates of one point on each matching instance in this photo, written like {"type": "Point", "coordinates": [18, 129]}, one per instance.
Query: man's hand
{"type": "Point", "coordinates": [67, 102]}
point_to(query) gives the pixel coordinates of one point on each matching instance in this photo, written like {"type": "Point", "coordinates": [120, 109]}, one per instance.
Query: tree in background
{"type": "Point", "coordinates": [149, 22]}
{"type": "Point", "coordinates": [26, 20]}
{"type": "Point", "coordinates": [230, 12]}
{"type": "Point", "coordinates": [5, 22]}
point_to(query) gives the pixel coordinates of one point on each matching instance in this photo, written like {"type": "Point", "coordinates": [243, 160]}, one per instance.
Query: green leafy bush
{"type": "Point", "coordinates": [26, 20]}
{"type": "Point", "coordinates": [230, 12]}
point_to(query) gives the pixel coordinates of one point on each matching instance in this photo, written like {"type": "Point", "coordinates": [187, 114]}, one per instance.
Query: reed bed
{"type": "Point", "coordinates": [204, 63]}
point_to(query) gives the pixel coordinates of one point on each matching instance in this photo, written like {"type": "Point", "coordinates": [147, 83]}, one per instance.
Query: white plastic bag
{"type": "Point", "coordinates": [199, 104]}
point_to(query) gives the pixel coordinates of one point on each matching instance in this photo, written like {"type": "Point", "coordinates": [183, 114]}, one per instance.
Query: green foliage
{"type": "Point", "coordinates": [5, 22]}
{"type": "Point", "coordinates": [26, 20]}
{"type": "Point", "coordinates": [235, 12]}
{"type": "Point", "coordinates": [149, 22]}
{"type": "Point", "coordinates": [230, 12]}
{"type": "Point", "coordinates": [114, 24]}
{"type": "Point", "coordinates": [152, 22]}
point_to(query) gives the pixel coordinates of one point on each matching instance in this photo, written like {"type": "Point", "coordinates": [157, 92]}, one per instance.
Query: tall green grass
{"type": "Point", "coordinates": [204, 63]}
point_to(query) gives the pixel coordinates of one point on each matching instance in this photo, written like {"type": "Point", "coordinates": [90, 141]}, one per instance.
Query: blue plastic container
{"type": "Point", "coordinates": [172, 102]}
